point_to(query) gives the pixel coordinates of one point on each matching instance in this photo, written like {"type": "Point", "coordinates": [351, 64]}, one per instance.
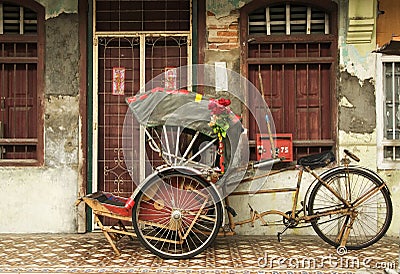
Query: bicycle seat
{"type": "Point", "coordinates": [317, 160]}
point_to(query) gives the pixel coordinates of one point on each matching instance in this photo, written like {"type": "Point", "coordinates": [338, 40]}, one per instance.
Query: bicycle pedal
{"type": "Point", "coordinates": [279, 236]}
{"type": "Point", "coordinates": [231, 211]}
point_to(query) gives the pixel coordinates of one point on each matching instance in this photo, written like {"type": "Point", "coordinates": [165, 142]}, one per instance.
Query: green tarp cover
{"type": "Point", "coordinates": [180, 108]}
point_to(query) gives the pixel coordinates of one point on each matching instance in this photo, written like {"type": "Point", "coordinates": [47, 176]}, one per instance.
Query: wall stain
{"type": "Point", "coordinates": [55, 8]}
{"type": "Point", "coordinates": [360, 117]}
{"type": "Point", "coordinates": [224, 8]}
{"type": "Point", "coordinates": [62, 55]}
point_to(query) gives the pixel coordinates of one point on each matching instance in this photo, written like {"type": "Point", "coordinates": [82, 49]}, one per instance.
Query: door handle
{"type": "Point", "coordinates": [2, 103]}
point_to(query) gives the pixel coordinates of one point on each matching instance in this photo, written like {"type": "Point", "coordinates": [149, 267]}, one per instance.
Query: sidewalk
{"type": "Point", "coordinates": [91, 253]}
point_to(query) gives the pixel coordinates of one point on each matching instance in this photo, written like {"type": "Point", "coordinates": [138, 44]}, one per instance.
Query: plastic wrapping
{"type": "Point", "coordinates": [180, 108]}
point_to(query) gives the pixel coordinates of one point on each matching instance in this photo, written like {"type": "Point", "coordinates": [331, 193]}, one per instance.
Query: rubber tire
{"type": "Point", "coordinates": [368, 175]}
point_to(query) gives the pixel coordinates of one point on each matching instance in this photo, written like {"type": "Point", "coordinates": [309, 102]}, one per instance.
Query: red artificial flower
{"type": "Point", "coordinates": [224, 102]}
{"type": "Point", "coordinates": [221, 116]}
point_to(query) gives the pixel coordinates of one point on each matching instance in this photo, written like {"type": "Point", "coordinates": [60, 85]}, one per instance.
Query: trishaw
{"type": "Point", "coordinates": [178, 210]}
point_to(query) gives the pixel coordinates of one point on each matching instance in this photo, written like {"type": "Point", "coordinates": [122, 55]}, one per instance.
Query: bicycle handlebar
{"type": "Point", "coordinates": [265, 163]}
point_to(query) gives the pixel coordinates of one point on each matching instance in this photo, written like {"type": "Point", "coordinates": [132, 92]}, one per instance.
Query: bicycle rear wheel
{"type": "Point", "coordinates": [374, 212]}
{"type": "Point", "coordinates": [177, 215]}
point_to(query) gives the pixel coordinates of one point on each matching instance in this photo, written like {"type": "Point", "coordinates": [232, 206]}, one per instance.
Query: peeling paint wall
{"type": "Point", "coordinates": [42, 199]}
{"type": "Point", "coordinates": [223, 43]}
{"type": "Point", "coordinates": [357, 105]}
{"type": "Point", "coordinates": [224, 8]}
{"type": "Point", "coordinates": [62, 62]}
{"type": "Point", "coordinates": [55, 8]}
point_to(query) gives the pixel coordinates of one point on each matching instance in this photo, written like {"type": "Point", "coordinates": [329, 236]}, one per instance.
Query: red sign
{"type": "Point", "coordinates": [283, 146]}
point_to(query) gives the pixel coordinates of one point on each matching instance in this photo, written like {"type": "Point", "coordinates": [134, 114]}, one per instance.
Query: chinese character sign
{"type": "Point", "coordinates": [118, 81]}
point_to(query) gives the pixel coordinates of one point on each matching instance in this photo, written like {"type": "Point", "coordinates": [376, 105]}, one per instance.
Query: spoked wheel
{"type": "Point", "coordinates": [177, 215]}
{"type": "Point", "coordinates": [370, 204]}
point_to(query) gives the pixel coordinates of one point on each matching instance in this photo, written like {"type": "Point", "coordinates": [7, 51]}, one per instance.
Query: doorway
{"type": "Point", "coordinates": [130, 48]}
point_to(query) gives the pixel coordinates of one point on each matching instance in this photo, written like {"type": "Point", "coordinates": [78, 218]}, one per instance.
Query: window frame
{"type": "Point", "coordinates": [39, 38]}
{"type": "Point", "coordinates": [383, 163]}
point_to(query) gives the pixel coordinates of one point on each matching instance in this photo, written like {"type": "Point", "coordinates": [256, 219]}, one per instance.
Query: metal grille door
{"type": "Point", "coordinates": [122, 55]}
{"type": "Point", "coordinates": [134, 41]}
{"type": "Point", "coordinates": [119, 64]}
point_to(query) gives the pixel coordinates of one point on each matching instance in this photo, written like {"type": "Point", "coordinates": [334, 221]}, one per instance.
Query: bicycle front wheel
{"type": "Point", "coordinates": [177, 215]}
{"type": "Point", "coordinates": [367, 197]}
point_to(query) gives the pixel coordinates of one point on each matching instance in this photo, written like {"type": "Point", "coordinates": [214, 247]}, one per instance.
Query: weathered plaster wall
{"type": "Point", "coordinates": [224, 8]}
{"type": "Point", "coordinates": [357, 104]}
{"type": "Point", "coordinates": [41, 199]}
{"type": "Point", "coordinates": [54, 8]}
{"type": "Point", "coordinates": [37, 200]}
{"type": "Point", "coordinates": [355, 87]}
{"type": "Point", "coordinates": [62, 60]}
{"type": "Point", "coordinates": [223, 44]}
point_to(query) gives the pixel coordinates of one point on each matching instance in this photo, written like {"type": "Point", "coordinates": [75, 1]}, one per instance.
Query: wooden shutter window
{"type": "Point", "coordinates": [288, 19]}
{"type": "Point", "coordinates": [20, 65]}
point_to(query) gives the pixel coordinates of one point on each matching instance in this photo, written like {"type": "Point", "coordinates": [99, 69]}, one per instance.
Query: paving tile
{"type": "Point", "coordinates": [91, 253]}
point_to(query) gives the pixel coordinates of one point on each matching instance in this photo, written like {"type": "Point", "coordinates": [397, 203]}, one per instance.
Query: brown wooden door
{"type": "Point", "coordinates": [298, 97]}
